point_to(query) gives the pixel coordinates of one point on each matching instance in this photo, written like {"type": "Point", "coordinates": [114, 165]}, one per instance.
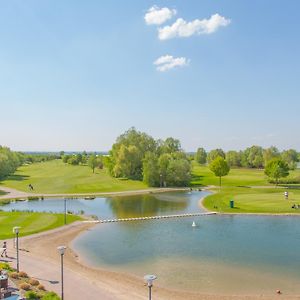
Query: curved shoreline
{"type": "Point", "coordinates": [109, 284]}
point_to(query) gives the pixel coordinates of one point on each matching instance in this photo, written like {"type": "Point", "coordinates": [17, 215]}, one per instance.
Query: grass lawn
{"type": "Point", "coordinates": [30, 222]}
{"type": "Point", "coordinates": [58, 177]}
{"type": "Point", "coordinates": [201, 175]}
{"type": "Point", "coordinates": [253, 200]}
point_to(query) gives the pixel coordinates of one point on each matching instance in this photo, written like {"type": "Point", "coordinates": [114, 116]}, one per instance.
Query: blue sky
{"type": "Point", "coordinates": [76, 74]}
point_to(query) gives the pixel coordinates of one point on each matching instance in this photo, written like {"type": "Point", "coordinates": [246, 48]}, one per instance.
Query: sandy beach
{"type": "Point", "coordinates": [40, 259]}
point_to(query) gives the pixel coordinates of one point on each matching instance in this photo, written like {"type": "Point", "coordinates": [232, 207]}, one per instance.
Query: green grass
{"type": "Point", "coordinates": [58, 177]}
{"type": "Point", "coordinates": [30, 222]}
{"type": "Point", "coordinates": [253, 200]}
{"type": "Point", "coordinates": [2, 193]}
{"type": "Point", "coordinates": [202, 176]}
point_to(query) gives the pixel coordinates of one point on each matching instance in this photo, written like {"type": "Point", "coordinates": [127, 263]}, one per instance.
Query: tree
{"type": "Point", "coordinates": [151, 174]}
{"type": "Point", "coordinates": [277, 168]}
{"type": "Point", "coordinates": [233, 158]}
{"type": "Point", "coordinates": [178, 172]}
{"type": "Point", "coordinates": [219, 167]}
{"type": "Point", "coordinates": [92, 162]}
{"type": "Point", "coordinates": [200, 156]}
{"type": "Point", "coordinates": [213, 154]}
{"type": "Point", "coordinates": [270, 153]}
{"type": "Point", "coordinates": [252, 157]}
{"type": "Point", "coordinates": [290, 157]}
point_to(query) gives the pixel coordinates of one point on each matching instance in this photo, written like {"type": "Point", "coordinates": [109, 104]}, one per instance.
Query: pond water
{"type": "Point", "coordinates": [223, 254]}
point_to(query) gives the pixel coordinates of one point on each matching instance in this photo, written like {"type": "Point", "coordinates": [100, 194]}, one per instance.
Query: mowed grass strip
{"type": "Point", "coordinates": [54, 177]}
{"type": "Point", "coordinates": [31, 222]}
{"type": "Point", "coordinates": [253, 200]}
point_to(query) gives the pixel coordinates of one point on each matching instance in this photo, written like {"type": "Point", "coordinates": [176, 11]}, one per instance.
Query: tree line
{"type": "Point", "coordinates": [252, 157]}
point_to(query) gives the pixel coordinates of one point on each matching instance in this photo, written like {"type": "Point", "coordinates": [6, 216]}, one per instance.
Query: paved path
{"type": "Point", "coordinates": [13, 193]}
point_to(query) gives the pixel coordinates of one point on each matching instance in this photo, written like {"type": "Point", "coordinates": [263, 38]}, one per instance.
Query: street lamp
{"type": "Point", "coordinates": [65, 200]}
{"type": "Point", "coordinates": [16, 231]}
{"type": "Point", "coordinates": [160, 181]}
{"type": "Point", "coordinates": [61, 250]}
{"type": "Point", "coordinates": [149, 279]}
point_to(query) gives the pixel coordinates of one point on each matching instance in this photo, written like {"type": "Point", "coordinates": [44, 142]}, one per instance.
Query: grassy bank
{"type": "Point", "coordinates": [30, 222]}
{"type": "Point", "coordinates": [253, 200]}
{"type": "Point", "coordinates": [58, 177]}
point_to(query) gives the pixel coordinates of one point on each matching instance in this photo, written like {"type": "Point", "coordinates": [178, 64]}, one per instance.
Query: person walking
{"type": "Point", "coordinates": [4, 249]}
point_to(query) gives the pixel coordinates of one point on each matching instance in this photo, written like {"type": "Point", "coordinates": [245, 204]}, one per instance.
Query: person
{"type": "Point", "coordinates": [4, 249]}
{"type": "Point", "coordinates": [286, 195]}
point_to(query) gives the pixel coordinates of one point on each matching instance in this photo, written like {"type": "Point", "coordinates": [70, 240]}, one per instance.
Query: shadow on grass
{"type": "Point", "coordinates": [196, 180]}
{"type": "Point", "coordinates": [17, 177]}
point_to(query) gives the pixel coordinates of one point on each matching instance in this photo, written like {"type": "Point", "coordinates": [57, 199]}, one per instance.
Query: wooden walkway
{"type": "Point", "coordinates": [153, 217]}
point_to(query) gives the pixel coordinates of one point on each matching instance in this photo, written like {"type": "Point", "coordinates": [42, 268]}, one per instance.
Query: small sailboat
{"type": "Point", "coordinates": [194, 224]}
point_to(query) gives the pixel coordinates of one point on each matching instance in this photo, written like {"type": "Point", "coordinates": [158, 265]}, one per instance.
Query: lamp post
{"type": "Point", "coordinates": [16, 231]}
{"type": "Point", "coordinates": [149, 280]}
{"type": "Point", "coordinates": [65, 208]}
{"type": "Point", "coordinates": [160, 181]}
{"type": "Point", "coordinates": [61, 250]}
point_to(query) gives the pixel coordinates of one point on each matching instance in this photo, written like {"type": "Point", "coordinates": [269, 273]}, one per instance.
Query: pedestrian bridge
{"type": "Point", "coordinates": [153, 217]}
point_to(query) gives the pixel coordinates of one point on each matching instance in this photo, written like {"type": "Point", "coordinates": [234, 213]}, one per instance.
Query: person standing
{"type": "Point", "coordinates": [4, 249]}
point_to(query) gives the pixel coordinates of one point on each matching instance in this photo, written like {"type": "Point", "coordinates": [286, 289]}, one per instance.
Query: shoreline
{"type": "Point", "coordinates": [111, 285]}
{"type": "Point", "coordinates": [13, 194]}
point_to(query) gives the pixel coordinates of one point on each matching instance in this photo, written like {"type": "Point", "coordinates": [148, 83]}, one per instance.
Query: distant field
{"type": "Point", "coordinates": [30, 222]}
{"type": "Point", "coordinates": [236, 177]}
{"type": "Point", "coordinates": [58, 177]}
{"type": "Point", "coordinates": [253, 200]}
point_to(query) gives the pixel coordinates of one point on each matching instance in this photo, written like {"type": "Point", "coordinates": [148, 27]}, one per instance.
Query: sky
{"type": "Point", "coordinates": [213, 73]}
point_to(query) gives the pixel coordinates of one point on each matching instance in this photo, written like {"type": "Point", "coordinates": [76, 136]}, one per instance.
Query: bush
{"type": "Point", "coordinates": [25, 286]}
{"type": "Point", "coordinates": [50, 296]}
{"type": "Point", "coordinates": [33, 282]}
{"type": "Point", "coordinates": [33, 198]}
{"type": "Point", "coordinates": [5, 266]}
{"type": "Point", "coordinates": [14, 275]}
{"type": "Point", "coordinates": [41, 287]}
{"type": "Point", "coordinates": [31, 295]}
{"type": "Point", "coordinates": [23, 274]}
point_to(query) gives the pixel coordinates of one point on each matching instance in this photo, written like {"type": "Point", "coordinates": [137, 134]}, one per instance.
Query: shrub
{"type": "Point", "coordinates": [33, 282]}
{"type": "Point", "coordinates": [41, 287]}
{"type": "Point", "coordinates": [50, 296]}
{"type": "Point", "coordinates": [25, 286]}
{"type": "Point", "coordinates": [33, 198]}
{"type": "Point", "coordinates": [23, 274]}
{"type": "Point", "coordinates": [14, 275]}
{"type": "Point", "coordinates": [31, 295]}
{"type": "Point", "coordinates": [5, 266]}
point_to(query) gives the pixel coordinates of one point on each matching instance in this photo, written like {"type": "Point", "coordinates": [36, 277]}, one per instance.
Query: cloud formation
{"type": "Point", "coordinates": [168, 62]}
{"type": "Point", "coordinates": [182, 28]}
{"type": "Point", "coordinates": [157, 16]}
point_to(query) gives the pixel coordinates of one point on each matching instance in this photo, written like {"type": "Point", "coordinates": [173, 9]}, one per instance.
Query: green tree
{"type": "Point", "coordinates": [220, 168]}
{"type": "Point", "coordinates": [270, 153]}
{"type": "Point", "coordinates": [151, 174]}
{"type": "Point", "coordinates": [252, 157]}
{"type": "Point", "coordinates": [233, 158]}
{"type": "Point", "coordinates": [200, 156]}
{"type": "Point", "coordinates": [178, 172]}
{"type": "Point", "coordinates": [92, 162]}
{"type": "Point", "coordinates": [277, 168]}
{"type": "Point", "coordinates": [290, 157]}
{"type": "Point", "coordinates": [213, 154]}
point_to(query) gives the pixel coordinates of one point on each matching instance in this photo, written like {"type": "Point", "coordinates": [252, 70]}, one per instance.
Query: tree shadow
{"type": "Point", "coordinates": [196, 180]}
{"type": "Point", "coordinates": [15, 177]}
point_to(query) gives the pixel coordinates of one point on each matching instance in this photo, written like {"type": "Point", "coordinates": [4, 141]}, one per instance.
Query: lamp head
{"type": "Point", "coordinates": [149, 279]}
{"type": "Point", "coordinates": [61, 250]}
{"type": "Point", "coordinates": [16, 229]}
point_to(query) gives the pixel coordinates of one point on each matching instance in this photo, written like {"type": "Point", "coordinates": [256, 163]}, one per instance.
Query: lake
{"type": "Point", "coordinates": [223, 254]}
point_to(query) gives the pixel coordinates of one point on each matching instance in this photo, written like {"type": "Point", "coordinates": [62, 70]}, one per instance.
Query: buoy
{"type": "Point", "coordinates": [194, 224]}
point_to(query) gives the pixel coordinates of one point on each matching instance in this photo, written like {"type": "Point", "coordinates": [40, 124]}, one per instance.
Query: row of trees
{"type": "Point", "coordinates": [9, 161]}
{"type": "Point", "coordinates": [136, 155]}
{"type": "Point", "coordinates": [252, 157]}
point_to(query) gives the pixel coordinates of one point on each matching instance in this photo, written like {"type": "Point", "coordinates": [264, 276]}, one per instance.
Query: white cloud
{"type": "Point", "coordinates": [157, 16]}
{"type": "Point", "coordinates": [181, 28]}
{"type": "Point", "coordinates": [168, 62]}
